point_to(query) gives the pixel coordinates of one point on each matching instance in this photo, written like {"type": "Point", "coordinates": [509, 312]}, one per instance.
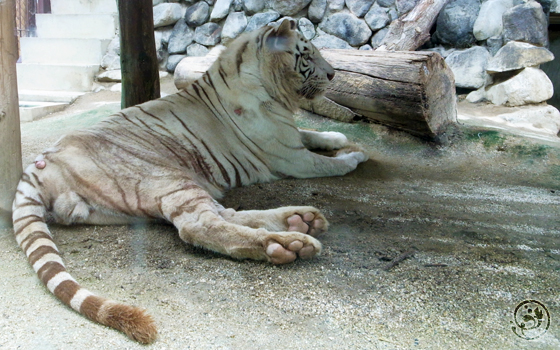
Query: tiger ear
{"type": "Point", "coordinates": [286, 27]}
{"type": "Point", "coordinates": [280, 37]}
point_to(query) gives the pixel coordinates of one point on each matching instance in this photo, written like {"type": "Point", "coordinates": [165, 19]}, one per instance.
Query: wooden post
{"type": "Point", "coordinates": [139, 65]}
{"type": "Point", "coordinates": [10, 136]}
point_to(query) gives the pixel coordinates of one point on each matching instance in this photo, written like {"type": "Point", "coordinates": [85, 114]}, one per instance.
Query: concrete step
{"type": "Point", "coordinates": [66, 7]}
{"type": "Point", "coordinates": [33, 76]}
{"type": "Point", "coordinates": [87, 26]}
{"type": "Point", "coordinates": [49, 96]}
{"type": "Point", "coordinates": [32, 110]}
{"type": "Point", "coordinates": [63, 51]}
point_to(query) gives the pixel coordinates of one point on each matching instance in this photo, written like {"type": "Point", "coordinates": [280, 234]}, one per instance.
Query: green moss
{"type": "Point", "coordinates": [533, 151]}
{"type": "Point", "coordinates": [489, 138]}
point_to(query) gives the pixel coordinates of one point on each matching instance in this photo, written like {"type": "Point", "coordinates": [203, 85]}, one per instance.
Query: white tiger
{"type": "Point", "coordinates": [170, 158]}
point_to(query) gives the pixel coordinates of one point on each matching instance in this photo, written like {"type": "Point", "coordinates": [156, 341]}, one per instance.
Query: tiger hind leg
{"type": "Point", "coordinates": [197, 217]}
{"type": "Point", "coordinates": [307, 220]}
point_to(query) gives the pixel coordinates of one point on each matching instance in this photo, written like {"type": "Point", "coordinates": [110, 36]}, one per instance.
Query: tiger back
{"type": "Point", "coordinates": [170, 159]}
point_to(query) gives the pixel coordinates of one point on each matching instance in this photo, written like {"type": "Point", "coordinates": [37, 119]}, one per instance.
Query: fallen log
{"type": "Point", "coordinates": [410, 91]}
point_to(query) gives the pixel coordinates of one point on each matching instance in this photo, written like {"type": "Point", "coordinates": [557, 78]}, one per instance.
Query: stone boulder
{"type": "Point", "coordinates": [208, 34]}
{"type": "Point", "coordinates": [516, 55]}
{"type": "Point", "coordinates": [181, 37]}
{"type": "Point", "coordinates": [261, 19]}
{"type": "Point", "coordinates": [220, 10]}
{"type": "Point", "coordinates": [455, 23]}
{"type": "Point", "coordinates": [173, 61]}
{"type": "Point", "coordinates": [347, 27]}
{"type": "Point", "coordinates": [235, 24]}
{"type": "Point", "coordinates": [526, 22]}
{"type": "Point", "coordinates": [197, 14]}
{"type": "Point", "coordinates": [316, 10]}
{"type": "Point", "coordinates": [335, 5]}
{"type": "Point", "coordinates": [377, 17]}
{"type": "Point", "coordinates": [531, 85]}
{"type": "Point", "coordinates": [166, 14]}
{"type": "Point", "coordinates": [489, 21]}
{"type": "Point", "coordinates": [359, 7]}
{"type": "Point", "coordinates": [197, 50]}
{"type": "Point", "coordinates": [469, 67]}
{"type": "Point", "coordinates": [253, 6]}
{"type": "Point", "coordinates": [386, 3]}
{"type": "Point", "coordinates": [288, 7]}
{"type": "Point", "coordinates": [404, 6]}
{"type": "Point", "coordinates": [307, 28]}
{"type": "Point", "coordinates": [112, 59]}
{"type": "Point", "coordinates": [326, 41]}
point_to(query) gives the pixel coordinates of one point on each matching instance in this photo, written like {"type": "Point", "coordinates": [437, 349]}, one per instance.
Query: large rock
{"type": "Point", "coordinates": [526, 22]}
{"type": "Point", "coordinates": [541, 119]}
{"type": "Point", "coordinates": [261, 19]}
{"type": "Point", "coordinates": [208, 34]}
{"type": "Point", "coordinates": [288, 7]}
{"type": "Point", "coordinates": [378, 37]}
{"type": "Point", "coordinates": [316, 10]}
{"type": "Point", "coordinates": [326, 41]}
{"type": "Point", "coordinates": [386, 3]}
{"type": "Point", "coordinates": [516, 55]}
{"type": "Point", "coordinates": [112, 59]}
{"type": "Point", "coordinates": [165, 34]}
{"type": "Point", "coordinates": [469, 67]}
{"type": "Point", "coordinates": [347, 27]}
{"type": "Point", "coordinates": [220, 10]}
{"type": "Point", "coordinates": [404, 6]}
{"type": "Point", "coordinates": [166, 14]}
{"type": "Point", "coordinates": [455, 23]}
{"type": "Point", "coordinates": [197, 14]}
{"type": "Point", "coordinates": [182, 36]}
{"type": "Point", "coordinates": [359, 7]}
{"type": "Point", "coordinates": [235, 24]}
{"type": "Point", "coordinates": [173, 61]}
{"type": "Point", "coordinates": [377, 17]}
{"type": "Point", "coordinates": [197, 50]}
{"type": "Point", "coordinates": [306, 28]}
{"type": "Point", "coordinates": [335, 5]}
{"type": "Point", "coordinates": [489, 21]}
{"type": "Point", "coordinates": [531, 85]}
{"type": "Point", "coordinates": [253, 6]}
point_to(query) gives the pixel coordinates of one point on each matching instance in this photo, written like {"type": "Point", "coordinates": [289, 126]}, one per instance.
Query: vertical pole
{"type": "Point", "coordinates": [10, 136]}
{"type": "Point", "coordinates": [139, 65]}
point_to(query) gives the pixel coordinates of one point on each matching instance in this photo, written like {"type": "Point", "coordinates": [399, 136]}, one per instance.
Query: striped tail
{"type": "Point", "coordinates": [33, 236]}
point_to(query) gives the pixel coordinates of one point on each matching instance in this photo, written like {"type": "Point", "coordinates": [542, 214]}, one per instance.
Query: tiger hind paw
{"type": "Point", "coordinates": [284, 249]}
{"type": "Point", "coordinates": [311, 223]}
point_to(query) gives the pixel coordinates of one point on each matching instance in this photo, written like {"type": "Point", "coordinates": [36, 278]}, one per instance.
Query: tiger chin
{"type": "Point", "coordinates": [171, 158]}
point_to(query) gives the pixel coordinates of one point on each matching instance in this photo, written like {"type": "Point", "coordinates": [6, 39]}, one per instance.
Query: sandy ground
{"type": "Point", "coordinates": [477, 223]}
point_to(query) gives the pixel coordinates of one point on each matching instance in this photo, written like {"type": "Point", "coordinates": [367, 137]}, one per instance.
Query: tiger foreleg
{"type": "Point", "coordinates": [197, 217]}
{"type": "Point", "coordinates": [326, 140]}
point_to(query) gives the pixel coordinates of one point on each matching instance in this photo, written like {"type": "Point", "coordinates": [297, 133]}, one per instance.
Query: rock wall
{"type": "Point", "coordinates": [494, 47]}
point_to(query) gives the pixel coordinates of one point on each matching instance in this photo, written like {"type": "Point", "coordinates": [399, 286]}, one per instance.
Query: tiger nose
{"type": "Point", "coordinates": [330, 76]}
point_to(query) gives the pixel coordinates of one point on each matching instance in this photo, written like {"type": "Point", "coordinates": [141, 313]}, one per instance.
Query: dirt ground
{"type": "Point", "coordinates": [430, 247]}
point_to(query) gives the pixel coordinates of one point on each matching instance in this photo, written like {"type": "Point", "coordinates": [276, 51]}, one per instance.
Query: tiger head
{"type": "Point", "coordinates": [288, 65]}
